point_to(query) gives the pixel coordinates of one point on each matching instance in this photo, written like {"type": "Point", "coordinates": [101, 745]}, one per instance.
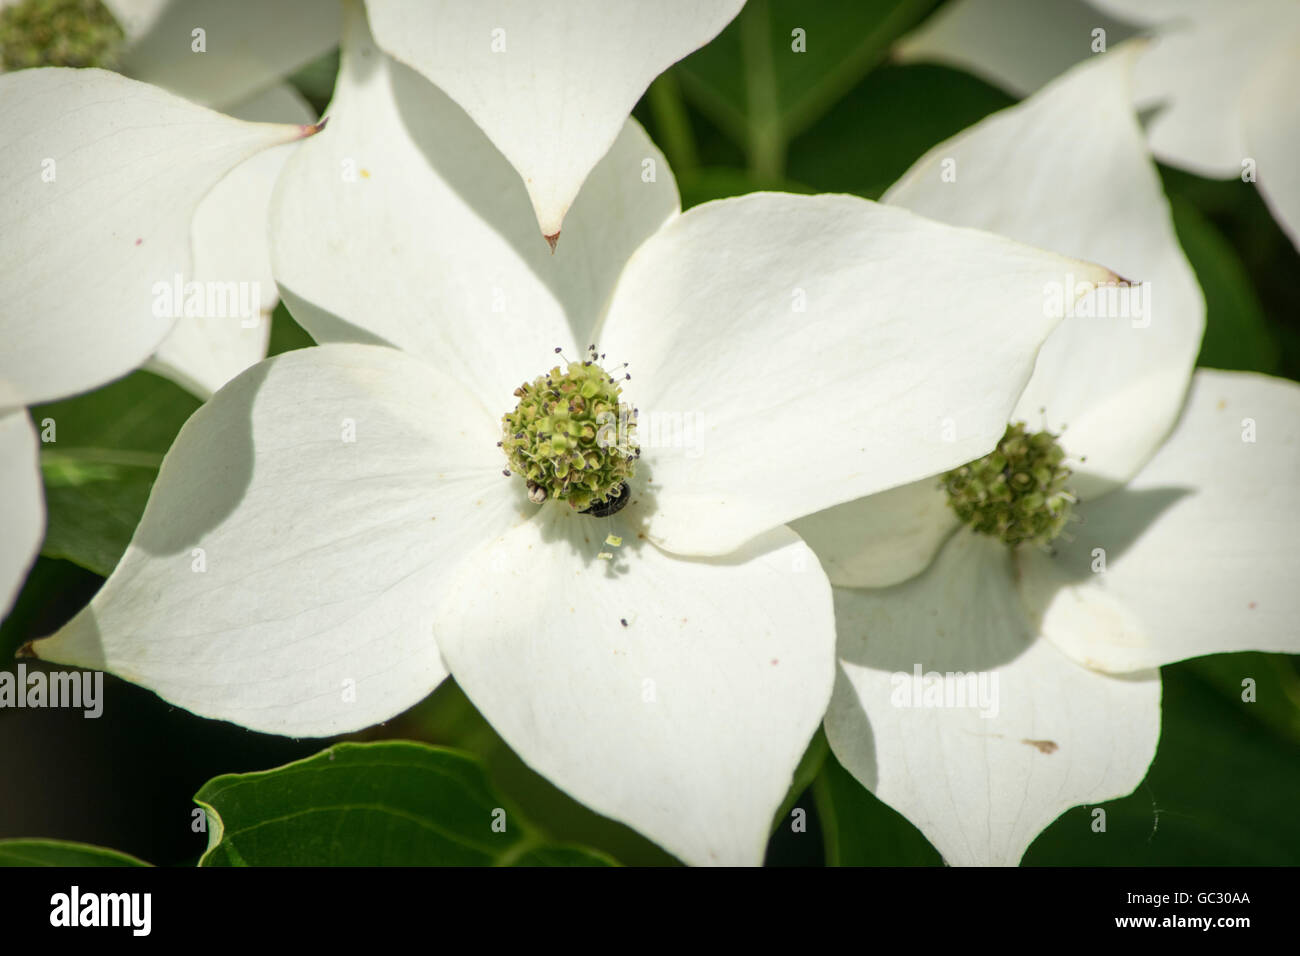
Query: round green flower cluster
{"type": "Point", "coordinates": [570, 438]}
{"type": "Point", "coordinates": [1017, 491]}
{"type": "Point", "coordinates": [59, 33]}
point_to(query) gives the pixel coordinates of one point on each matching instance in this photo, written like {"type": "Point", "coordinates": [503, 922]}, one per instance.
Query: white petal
{"type": "Point", "coordinates": [22, 504]}
{"type": "Point", "coordinates": [1067, 170]}
{"type": "Point", "coordinates": [821, 345]}
{"type": "Point", "coordinates": [100, 176]}
{"type": "Point", "coordinates": [1032, 735]}
{"type": "Point", "coordinates": [1016, 44]}
{"type": "Point", "coordinates": [688, 721]}
{"type": "Point", "coordinates": [550, 85]}
{"type": "Point", "coordinates": [1200, 70]}
{"type": "Point", "coordinates": [1150, 12]}
{"type": "Point", "coordinates": [1272, 121]}
{"type": "Point", "coordinates": [326, 494]}
{"type": "Point", "coordinates": [881, 539]}
{"type": "Point", "coordinates": [203, 352]}
{"type": "Point", "coordinates": [1200, 548]}
{"type": "Point", "coordinates": [247, 44]}
{"type": "Point", "coordinates": [404, 224]}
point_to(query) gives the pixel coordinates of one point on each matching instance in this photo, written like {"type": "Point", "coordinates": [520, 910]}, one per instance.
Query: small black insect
{"type": "Point", "coordinates": [612, 505]}
{"type": "Point", "coordinates": [623, 621]}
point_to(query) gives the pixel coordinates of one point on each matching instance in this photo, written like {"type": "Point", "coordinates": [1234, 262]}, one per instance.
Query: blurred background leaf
{"type": "Point", "coordinates": [780, 65]}
{"type": "Point", "coordinates": [61, 853]}
{"type": "Point", "coordinates": [98, 472]}
{"type": "Point", "coordinates": [1237, 335]}
{"type": "Point", "coordinates": [859, 830]}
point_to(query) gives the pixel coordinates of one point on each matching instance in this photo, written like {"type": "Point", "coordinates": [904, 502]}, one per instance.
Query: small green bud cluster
{"type": "Point", "coordinates": [59, 33]}
{"type": "Point", "coordinates": [566, 436]}
{"type": "Point", "coordinates": [1017, 491]}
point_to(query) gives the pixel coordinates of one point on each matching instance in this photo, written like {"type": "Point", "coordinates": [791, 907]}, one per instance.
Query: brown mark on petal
{"type": "Point", "coordinates": [1043, 746]}
{"type": "Point", "coordinates": [311, 129]}
{"type": "Point", "coordinates": [551, 240]}
{"type": "Point", "coordinates": [27, 650]}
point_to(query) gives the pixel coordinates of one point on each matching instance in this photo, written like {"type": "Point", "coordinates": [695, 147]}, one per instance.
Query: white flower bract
{"type": "Point", "coordinates": [1181, 539]}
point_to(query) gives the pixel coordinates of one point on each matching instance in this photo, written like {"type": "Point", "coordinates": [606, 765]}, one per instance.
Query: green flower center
{"type": "Point", "coordinates": [572, 439]}
{"type": "Point", "coordinates": [1017, 491]}
{"type": "Point", "coordinates": [59, 33]}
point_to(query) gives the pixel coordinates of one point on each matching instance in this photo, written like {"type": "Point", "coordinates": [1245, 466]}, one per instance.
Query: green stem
{"type": "Point", "coordinates": [865, 57]}
{"type": "Point", "coordinates": [673, 125]}
{"type": "Point", "coordinates": [766, 139]}
{"type": "Point", "coordinates": [809, 769]}
{"type": "Point", "coordinates": [826, 817]}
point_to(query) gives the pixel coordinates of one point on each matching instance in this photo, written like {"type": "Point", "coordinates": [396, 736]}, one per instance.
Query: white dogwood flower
{"type": "Point", "coordinates": [550, 85]}
{"type": "Point", "coordinates": [230, 56]}
{"type": "Point", "coordinates": [99, 176]}
{"type": "Point", "coordinates": [1182, 542]}
{"type": "Point", "coordinates": [332, 533]}
{"type": "Point", "coordinates": [1224, 75]}
{"type": "Point", "coordinates": [1219, 77]}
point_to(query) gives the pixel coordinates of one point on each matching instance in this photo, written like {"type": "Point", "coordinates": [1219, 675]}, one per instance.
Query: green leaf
{"type": "Point", "coordinates": [373, 804]}
{"type": "Point", "coordinates": [1237, 335]}
{"type": "Point", "coordinates": [286, 334]}
{"type": "Point", "coordinates": [449, 719]}
{"type": "Point", "coordinates": [61, 853]}
{"type": "Point", "coordinates": [103, 459]}
{"type": "Point", "coordinates": [859, 830]}
{"type": "Point", "coordinates": [1272, 679]}
{"type": "Point", "coordinates": [755, 85]}
{"type": "Point", "coordinates": [562, 856]}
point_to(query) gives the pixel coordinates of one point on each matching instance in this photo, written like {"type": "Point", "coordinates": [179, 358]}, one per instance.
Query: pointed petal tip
{"type": "Point", "coordinates": [27, 651]}
{"type": "Point", "coordinates": [311, 129]}
{"type": "Point", "coordinates": [552, 239]}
